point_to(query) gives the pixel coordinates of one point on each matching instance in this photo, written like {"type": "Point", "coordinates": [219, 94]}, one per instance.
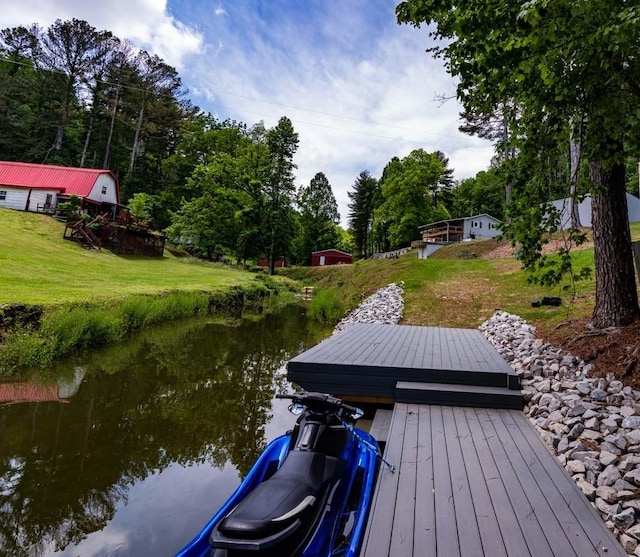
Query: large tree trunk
{"type": "Point", "coordinates": [616, 294]}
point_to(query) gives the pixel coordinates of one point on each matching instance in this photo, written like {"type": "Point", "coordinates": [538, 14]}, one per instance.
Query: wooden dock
{"type": "Point", "coordinates": [473, 477]}
{"type": "Point", "coordinates": [477, 482]}
{"type": "Point", "coordinates": [409, 364]}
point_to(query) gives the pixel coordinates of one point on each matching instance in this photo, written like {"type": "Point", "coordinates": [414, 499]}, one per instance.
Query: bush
{"type": "Point", "coordinates": [326, 306]}
{"type": "Point", "coordinates": [24, 350]}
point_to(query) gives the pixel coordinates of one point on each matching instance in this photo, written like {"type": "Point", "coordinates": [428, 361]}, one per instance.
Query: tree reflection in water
{"type": "Point", "coordinates": [187, 393]}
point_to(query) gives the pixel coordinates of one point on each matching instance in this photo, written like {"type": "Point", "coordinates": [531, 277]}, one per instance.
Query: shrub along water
{"type": "Point", "coordinates": [326, 306]}
{"type": "Point", "coordinates": [64, 329]}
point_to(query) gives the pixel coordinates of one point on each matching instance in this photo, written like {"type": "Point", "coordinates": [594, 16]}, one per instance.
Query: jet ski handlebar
{"type": "Point", "coordinates": [322, 402]}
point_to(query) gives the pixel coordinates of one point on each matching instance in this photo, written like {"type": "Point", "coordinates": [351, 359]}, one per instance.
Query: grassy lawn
{"type": "Point", "coordinates": [37, 266]}
{"type": "Point", "coordinates": [455, 292]}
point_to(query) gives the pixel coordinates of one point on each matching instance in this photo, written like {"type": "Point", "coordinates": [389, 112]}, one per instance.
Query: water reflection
{"type": "Point", "coordinates": [149, 421]}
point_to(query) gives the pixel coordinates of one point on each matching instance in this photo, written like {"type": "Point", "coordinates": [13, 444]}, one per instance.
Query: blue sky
{"type": "Point", "coordinates": [358, 87]}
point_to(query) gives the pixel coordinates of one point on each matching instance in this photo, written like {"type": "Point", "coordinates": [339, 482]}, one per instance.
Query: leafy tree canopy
{"type": "Point", "coordinates": [554, 64]}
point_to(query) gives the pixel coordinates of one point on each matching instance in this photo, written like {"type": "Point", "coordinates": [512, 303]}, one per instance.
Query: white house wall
{"type": "Point", "coordinates": [429, 249]}
{"type": "Point", "coordinates": [466, 229]}
{"type": "Point", "coordinates": [38, 199]}
{"type": "Point", "coordinates": [106, 183]}
{"type": "Point", "coordinates": [14, 198]}
{"type": "Point", "coordinates": [563, 206]}
{"type": "Point", "coordinates": [480, 226]}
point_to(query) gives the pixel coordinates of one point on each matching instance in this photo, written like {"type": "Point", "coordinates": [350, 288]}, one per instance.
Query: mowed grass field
{"type": "Point", "coordinates": [38, 266]}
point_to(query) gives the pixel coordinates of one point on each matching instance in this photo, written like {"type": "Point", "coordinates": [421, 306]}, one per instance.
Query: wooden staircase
{"type": "Point", "coordinates": [81, 232]}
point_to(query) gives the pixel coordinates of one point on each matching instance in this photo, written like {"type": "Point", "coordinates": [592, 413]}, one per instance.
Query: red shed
{"type": "Point", "coordinates": [330, 257]}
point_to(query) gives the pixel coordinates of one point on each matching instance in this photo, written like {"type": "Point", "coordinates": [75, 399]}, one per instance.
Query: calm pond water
{"type": "Point", "coordinates": [129, 450]}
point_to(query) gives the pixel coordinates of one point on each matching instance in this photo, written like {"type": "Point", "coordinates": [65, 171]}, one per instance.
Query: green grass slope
{"type": "Point", "coordinates": [38, 266]}
{"type": "Point", "coordinates": [458, 292]}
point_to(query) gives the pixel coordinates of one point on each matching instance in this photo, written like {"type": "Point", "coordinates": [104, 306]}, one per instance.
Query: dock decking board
{"type": "Point", "coordinates": [380, 426]}
{"type": "Point", "coordinates": [366, 344]}
{"type": "Point", "coordinates": [478, 482]}
{"type": "Point", "coordinates": [458, 395]}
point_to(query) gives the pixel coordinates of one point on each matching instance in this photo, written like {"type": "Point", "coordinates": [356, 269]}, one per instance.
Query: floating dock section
{"type": "Point", "coordinates": [429, 365]}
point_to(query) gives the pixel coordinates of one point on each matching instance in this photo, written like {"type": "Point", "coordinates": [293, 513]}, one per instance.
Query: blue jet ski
{"type": "Point", "coordinates": [308, 494]}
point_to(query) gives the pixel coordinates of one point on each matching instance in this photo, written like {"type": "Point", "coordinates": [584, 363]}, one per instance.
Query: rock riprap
{"type": "Point", "coordinates": [385, 306]}
{"type": "Point", "coordinates": [591, 423]}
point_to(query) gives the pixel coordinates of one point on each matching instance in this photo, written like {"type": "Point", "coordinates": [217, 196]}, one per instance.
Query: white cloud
{"type": "Point", "coordinates": [146, 23]}
{"type": "Point", "coordinates": [357, 95]}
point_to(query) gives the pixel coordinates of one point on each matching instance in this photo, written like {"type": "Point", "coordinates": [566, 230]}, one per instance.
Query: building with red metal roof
{"type": "Point", "coordinates": [40, 187]}
{"type": "Point", "coordinates": [330, 257]}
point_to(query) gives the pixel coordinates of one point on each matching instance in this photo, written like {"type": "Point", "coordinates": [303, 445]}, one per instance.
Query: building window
{"type": "Point", "coordinates": [3, 195]}
{"type": "Point", "coordinates": [480, 224]}
{"type": "Point", "coordinates": [104, 190]}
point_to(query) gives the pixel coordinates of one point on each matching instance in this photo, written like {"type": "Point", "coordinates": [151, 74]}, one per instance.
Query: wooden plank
{"type": "Point", "coordinates": [509, 523]}
{"type": "Point", "coordinates": [458, 395]}
{"type": "Point", "coordinates": [381, 424]}
{"type": "Point", "coordinates": [446, 526]}
{"type": "Point", "coordinates": [528, 515]}
{"type": "Point", "coordinates": [389, 376]}
{"type": "Point", "coordinates": [488, 527]}
{"type": "Point", "coordinates": [425, 520]}
{"type": "Point", "coordinates": [563, 492]}
{"type": "Point", "coordinates": [553, 531]}
{"type": "Point", "coordinates": [402, 531]}
{"type": "Point", "coordinates": [411, 347]}
{"type": "Point", "coordinates": [465, 512]}
{"type": "Point", "coordinates": [377, 538]}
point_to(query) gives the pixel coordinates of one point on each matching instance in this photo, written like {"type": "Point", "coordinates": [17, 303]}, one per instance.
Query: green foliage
{"type": "Point", "coordinates": [407, 187]}
{"type": "Point", "coordinates": [70, 207]}
{"type": "Point", "coordinates": [552, 69]}
{"type": "Point", "coordinates": [141, 206]}
{"type": "Point", "coordinates": [73, 95]}
{"type": "Point", "coordinates": [326, 306]}
{"type": "Point", "coordinates": [363, 201]}
{"type": "Point", "coordinates": [483, 193]}
{"type": "Point", "coordinates": [71, 327]}
{"type": "Point", "coordinates": [24, 350]}
{"type": "Point", "coordinates": [318, 217]}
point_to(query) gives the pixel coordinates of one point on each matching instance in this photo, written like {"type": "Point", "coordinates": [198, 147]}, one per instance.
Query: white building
{"type": "Point", "coordinates": [563, 206]}
{"type": "Point", "coordinates": [40, 187]}
{"type": "Point", "coordinates": [438, 234]}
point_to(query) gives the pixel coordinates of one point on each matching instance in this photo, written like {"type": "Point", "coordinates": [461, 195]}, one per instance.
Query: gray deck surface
{"type": "Point", "coordinates": [385, 354]}
{"type": "Point", "coordinates": [407, 346]}
{"type": "Point", "coordinates": [477, 482]}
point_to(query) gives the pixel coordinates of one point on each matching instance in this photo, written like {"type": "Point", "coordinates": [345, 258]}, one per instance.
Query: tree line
{"type": "Point", "coordinates": [76, 96]}
{"type": "Point", "coordinates": [385, 213]}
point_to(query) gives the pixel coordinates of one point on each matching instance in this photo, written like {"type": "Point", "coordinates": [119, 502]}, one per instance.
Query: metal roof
{"type": "Point", "coordinates": [71, 181]}
{"type": "Point", "coordinates": [457, 220]}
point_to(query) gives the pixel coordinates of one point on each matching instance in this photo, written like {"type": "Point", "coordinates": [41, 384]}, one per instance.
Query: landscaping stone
{"type": "Point", "coordinates": [386, 306]}
{"type": "Point", "coordinates": [592, 424]}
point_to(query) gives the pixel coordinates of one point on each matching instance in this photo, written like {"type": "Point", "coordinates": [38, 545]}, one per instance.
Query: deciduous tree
{"type": "Point", "coordinates": [556, 61]}
{"type": "Point", "coordinates": [318, 216]}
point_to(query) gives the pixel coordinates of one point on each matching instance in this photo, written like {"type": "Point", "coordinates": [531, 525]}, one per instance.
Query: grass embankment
{"type": "Point", "coordinates": [77, 297]}
{"type": "Point", "coordinates": [455, 291]}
